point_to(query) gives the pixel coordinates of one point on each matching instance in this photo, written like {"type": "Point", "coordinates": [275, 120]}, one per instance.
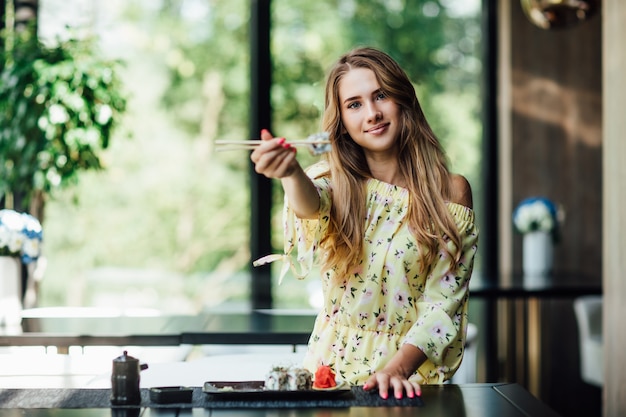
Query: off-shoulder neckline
{"type": "Point", "coordinates": [400, 188]}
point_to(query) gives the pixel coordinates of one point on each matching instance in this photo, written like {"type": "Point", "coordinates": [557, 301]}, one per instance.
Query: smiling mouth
{"type": "Point", "coordinates": [377, 128]}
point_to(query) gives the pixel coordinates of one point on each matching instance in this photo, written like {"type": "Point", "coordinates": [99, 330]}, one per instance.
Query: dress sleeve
{"type": "Point", "coordinates": [439, 330]}
{"type": "Point", "coordinates": [302, 236]}
{"type": "Point", "coordinates": [305, 234]}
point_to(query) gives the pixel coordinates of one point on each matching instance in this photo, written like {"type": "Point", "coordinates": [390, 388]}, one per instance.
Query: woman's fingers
{"type": "Point", "coordinates": [275, 164]}
{"type": "Point", "coordinates": [370, 383]}
{"type": "Point", "coordinates": [265, 134]}
{"type": "Point", "coordinates": [417, 389]}
{"type": "Point", "coordinates": [378, 380]}
{"type": "Point", "coordinates": [270, 148]}
{"type": "Point", "coordinates": [274, 158]}
{"type": "Point", "coordinates": [386, 383]}
{"type": "Point", "coordinates": [412, 389]}
{"type": "Point", "coordinates": [288, 164]}
{"type": "Point", "coordinates": [267, 163]}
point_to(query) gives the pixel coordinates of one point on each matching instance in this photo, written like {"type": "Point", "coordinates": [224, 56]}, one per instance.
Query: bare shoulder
{"type": "Point", "coordinates": [460, 190]}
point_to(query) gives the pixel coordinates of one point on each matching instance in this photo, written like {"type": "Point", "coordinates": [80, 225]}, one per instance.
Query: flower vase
{"type": "Point", "coordinates": [10, 291]}
{"type": "Point", "coordinates": [537, 254]}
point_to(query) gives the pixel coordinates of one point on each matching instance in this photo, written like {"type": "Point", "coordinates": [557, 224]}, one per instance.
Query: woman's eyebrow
{"type": "Point", "coordinates": [351, 99]}
{"type": "Point", "coordinates": [373, 93]}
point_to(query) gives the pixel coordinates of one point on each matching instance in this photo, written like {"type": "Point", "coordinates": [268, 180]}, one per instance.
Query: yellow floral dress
{"type": "Point", "coordinates": [385, 302]}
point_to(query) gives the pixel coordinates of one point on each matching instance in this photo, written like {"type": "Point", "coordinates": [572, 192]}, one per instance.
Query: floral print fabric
{"type": "Point", "coordinates": [385, 302]}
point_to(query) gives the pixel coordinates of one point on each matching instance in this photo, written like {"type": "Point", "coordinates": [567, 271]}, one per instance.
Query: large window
{"type": "Point", "coordinates": [166, 224]}
{"type": "Point", "coordinates": [438, 43]}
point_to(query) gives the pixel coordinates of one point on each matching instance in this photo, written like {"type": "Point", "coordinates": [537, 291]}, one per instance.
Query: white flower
{"type": "Point", "coordinates": [31, 248]}
{"type": "Point", "coordinates": [535, 214]}
{"type": "Point", "coordinates": [5, 236]}
{"type": "Point", "coordinates": [16, 241]}
{"type": "Point", "coordinates": [20, 235]}
{"type": "Point", "coordinates": [12, 220]}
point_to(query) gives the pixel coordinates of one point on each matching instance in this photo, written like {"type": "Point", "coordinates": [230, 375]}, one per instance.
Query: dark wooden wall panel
{"type": "Point", "coordinates": [557, 133]}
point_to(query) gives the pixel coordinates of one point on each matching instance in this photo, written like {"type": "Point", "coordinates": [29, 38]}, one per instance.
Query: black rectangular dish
{"type": "Point", "coordinates": [169, 395]}
{"type": "Point", "coordinates": [254, 390]}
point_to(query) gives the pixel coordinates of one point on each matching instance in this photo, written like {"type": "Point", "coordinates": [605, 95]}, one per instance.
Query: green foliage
{"type": "Point", "coordinates": [208, 63]}
{"type": "Point", "coordinates": [58, 107]}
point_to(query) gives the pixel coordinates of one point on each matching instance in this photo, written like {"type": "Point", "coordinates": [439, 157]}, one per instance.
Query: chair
{"type": "Point", "coordinates": [588, 311]}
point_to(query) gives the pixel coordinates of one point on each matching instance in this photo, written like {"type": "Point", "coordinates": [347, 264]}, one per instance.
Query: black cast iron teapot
{"type": "Point", "coordinates": [125, 380]}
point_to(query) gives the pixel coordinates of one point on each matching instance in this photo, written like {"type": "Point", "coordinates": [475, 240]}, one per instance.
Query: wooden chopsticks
{"type": "Point", "coordinates": [250, 144]}
{"type": "Point", "coordinates": [317, 142]}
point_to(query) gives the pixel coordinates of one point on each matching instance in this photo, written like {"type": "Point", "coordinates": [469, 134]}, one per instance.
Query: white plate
{"type": "Point", "coordinates": [341, 385]}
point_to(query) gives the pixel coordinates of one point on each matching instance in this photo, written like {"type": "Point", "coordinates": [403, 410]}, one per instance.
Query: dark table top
{"type": "Point", "coordinates": [520, 286]}
{"type": "Point", "coordinates": [256, 327]}
{"type": "Point", "coordinates": [92, 331]}
{"type": "Point", "coordinates": [472, 400]}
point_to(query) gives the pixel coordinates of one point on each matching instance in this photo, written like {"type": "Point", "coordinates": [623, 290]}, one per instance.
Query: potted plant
{"type": "Point", "coordinates": [538, 220]}
{"type": "Point", "coordinates": [59, 105]}
{"type": "Point", "coordinates": [20, 244]}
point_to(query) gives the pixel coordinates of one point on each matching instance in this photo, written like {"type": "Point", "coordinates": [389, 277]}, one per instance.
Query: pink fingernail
{"type": "Point", "coordinates": [411, 395]}
{"type": "Point", "coordinates": [286, 145]}
{"type": "Point", "coordinates": [264, 131]}
{"type": "Point", "coordinates": [281, 141]}
{"type": "Point", "coordinates": [385, 396]}
{"type": "Point", "coordinates": [364, 385]}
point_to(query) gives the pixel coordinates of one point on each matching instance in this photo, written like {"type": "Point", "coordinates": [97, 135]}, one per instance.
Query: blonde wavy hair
{"type": "Point", "coordinates": [422, 162]}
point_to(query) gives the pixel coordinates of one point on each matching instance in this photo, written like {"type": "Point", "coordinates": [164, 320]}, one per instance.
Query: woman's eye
{"type": "Point", "coordinates": [381, 96]}
{"type": "Point", "coordinates": [354, 105]}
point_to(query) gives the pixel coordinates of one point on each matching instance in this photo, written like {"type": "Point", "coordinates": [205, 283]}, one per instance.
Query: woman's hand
{"type": "Point", "coordinates": [394, 376]}
{"type": "Point", "coordinates": [274, 158]}
{"type": "Point", "coordinates": [388, 381]}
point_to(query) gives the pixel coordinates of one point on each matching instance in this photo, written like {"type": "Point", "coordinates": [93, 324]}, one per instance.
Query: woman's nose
{"type": "Point", "coordinates": [373, 112]}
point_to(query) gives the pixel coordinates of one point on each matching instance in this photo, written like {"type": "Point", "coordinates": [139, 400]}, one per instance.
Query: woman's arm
{"type": "Point", "coordinates": [275, 158]}
{"type": "Point", "coordinates": [302, 194]}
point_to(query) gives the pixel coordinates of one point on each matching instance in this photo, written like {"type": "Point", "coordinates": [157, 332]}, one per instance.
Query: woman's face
{"type": "Point", "coordinates": [370, 117]}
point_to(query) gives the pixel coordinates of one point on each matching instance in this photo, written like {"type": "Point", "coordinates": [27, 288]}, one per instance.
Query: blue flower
{"type": "Point", "coordinates": [536, 214]}
{"type": "Point", "coordinates": [20, 235]}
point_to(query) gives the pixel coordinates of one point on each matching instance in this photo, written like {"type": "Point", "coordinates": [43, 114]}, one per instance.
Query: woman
{"type": "Point", "coordinates": [392, 229]}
